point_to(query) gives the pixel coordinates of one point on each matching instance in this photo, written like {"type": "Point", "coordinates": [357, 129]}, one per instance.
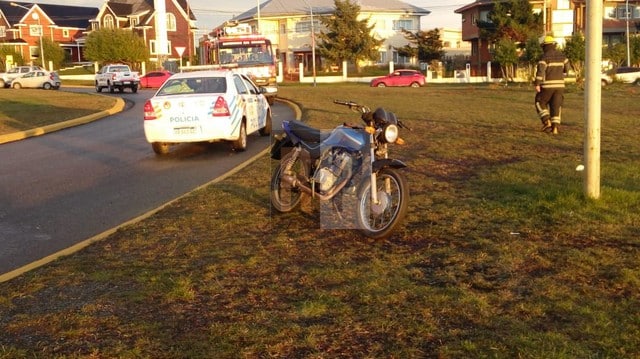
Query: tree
{"type": "Point", "coordinates": [616, 53]}
{"type": "Point", "coordinates": [115, 45]}
{"type": "Point", "coordinates": [52, 53]}
{"type": "Point", "coordinates": [531, 55]}
{"type": "Point", "coordinates": [513, 23]}
{"type": "Point", "coordinates": [506, 54]}
{"type": "Point", "coordinates": [514, 20]}
{"type": "Point", "coordinates": [9, 51]}
{"type": "Point", "coordinates": [574, 50]}
{"type": "Point", "coordinates": [347, 38]}
{"type": "Point", "coordinates": [634, 46]}
{"type": "Point", "coordinates": [426, 45]}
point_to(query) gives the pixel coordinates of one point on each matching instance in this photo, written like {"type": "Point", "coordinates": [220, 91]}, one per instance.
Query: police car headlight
{"type": "Point", "coordinates": [390, 133]}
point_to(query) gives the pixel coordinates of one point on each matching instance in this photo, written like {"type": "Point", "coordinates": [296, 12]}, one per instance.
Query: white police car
{"type": "Point", "coordinates": [206, 106]}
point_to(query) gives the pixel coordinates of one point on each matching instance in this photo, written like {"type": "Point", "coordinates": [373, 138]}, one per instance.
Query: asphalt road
{"type": "Point", "coordinates": [62, 188]}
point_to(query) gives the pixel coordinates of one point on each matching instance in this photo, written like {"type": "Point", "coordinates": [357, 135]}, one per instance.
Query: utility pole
{"type": "Point", "coordinates": [593, 99]}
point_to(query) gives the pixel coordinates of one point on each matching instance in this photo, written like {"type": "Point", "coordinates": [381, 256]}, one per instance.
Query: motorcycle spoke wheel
{"type": "Point", "coordinates": [285, 197]}
{"type": "Point", "coordinates": [379, 220]}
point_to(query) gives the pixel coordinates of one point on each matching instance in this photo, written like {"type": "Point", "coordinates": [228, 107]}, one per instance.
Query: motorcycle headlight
{"type": "Point", "coordinates": [390, 133]}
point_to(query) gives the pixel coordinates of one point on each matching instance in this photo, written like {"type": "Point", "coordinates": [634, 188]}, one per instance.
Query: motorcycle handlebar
{"type": "Point", "coordinates": [352, 105]}
{"type": "Point", "coordinates": [367, 115]}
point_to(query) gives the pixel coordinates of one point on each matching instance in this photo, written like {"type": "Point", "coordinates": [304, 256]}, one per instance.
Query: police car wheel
{"type": "Point", "coordinates": [241, 143]}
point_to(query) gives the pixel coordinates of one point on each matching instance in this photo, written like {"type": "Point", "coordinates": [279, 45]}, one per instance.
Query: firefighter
{"type": "Point", "coordinates": [549, 83]}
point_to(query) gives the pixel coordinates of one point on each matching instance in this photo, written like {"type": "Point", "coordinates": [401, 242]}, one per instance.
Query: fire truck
{"type": "Point", "coordinates": [236, 47]}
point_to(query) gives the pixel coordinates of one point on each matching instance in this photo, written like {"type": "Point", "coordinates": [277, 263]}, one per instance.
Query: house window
{"type": "Point", "coordinates": [403, 25]}
{"type": "Point", "coordinates": [133, 21]}
{"type": "Point", "coordinates": [65, 32]}
{"type": "Point", "coordinates": [305, 26]}
{"type": "Point", "coordinates": [108, 22]}
{"type": "Point", "coordinates": [621, 12]}
{"type": "Point", "coordinates": [3, 31]}
{"type": "Point", "coordinates": [35, 30]}
{"type": "Point", "coordinates": [34, 52]}
{"type": "Point", "coordinates": [171, 22]}
{"type": "Point", "coordinates": [382, 59]}
{"type": "Point", "coordinates": [153, 44]}
{"type": "Point", "coordinates": [484, 16]}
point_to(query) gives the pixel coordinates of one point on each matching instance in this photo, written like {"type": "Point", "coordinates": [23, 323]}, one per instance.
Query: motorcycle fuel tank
{"type": "Point", "coordinates": [349, 138]}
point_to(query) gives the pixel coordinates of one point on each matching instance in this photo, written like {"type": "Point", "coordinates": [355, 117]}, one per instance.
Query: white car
{"type": "Point", "coordinates": [7, 77]}
{"type": "Point", "coordinates": [206, 106]}
{"type": "Point", "coordinates": [626, 74]}
{"type": "Point", "coordinates": [40, 79]}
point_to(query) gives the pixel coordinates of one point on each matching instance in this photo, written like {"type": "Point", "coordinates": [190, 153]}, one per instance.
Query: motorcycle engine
{"type": "Point", "coordinates": [331, 167]}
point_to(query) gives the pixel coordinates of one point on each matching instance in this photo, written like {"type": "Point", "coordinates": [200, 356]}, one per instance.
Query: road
{"type": "Point", "coordinates": [64, 187]}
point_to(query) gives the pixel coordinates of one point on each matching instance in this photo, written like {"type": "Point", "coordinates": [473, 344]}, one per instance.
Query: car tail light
{"type": "Point", "coordinates": [149, 112]}
{"type": "Point", "coordinates": [220, 108]}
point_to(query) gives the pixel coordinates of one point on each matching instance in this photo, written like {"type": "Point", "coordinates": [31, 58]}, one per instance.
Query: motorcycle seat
{"type": "Point", "coordinates": [307, 133]}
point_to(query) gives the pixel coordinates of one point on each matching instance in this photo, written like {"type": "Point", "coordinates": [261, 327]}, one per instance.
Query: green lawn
{"type": "Point", "coordinates": [501, 254]}
{"type": "Point", "coordinates": [30, 108]}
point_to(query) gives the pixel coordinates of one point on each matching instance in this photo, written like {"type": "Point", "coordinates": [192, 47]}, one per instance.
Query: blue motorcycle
{"type": "Point", "coordinates": [348, 169]}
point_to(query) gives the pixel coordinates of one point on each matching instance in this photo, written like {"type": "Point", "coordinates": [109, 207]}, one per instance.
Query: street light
{"type": "Point", "coordinates": [627, 17]}
{"type": "Point", "coordinates": [313, 43]}
{"type": "Point", "coordinates": [35, 16]}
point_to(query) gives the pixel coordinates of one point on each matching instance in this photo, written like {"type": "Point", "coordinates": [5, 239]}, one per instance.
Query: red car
{"type": "Point", "coordinates": [154, 79]}
{"type": "Point", "coordinates": [411, 78]}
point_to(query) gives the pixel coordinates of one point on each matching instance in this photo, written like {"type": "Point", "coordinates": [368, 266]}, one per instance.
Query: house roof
{"type": "Point", "coordinates": [281, 8]}
{"type": "Point", "coordinates": [473, 5]}
{"type": "Point", "coordinates": [61, 15]}
{"type": "Point", "coordinates": [126, 8]}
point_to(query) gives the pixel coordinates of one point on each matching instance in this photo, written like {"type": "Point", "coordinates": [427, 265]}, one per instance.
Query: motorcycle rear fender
{"type": "Point", "coordinates": [387, 162]}
{"type": "Point", "coordinates": [279, 145]}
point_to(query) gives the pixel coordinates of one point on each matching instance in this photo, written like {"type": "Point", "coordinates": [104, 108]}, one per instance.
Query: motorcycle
{"type": "Point", "coordinates": [340, 168]}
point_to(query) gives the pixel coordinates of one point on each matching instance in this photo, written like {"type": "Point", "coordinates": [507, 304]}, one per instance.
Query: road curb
{"type": "Point", "coordinates": [101, 236]}
{"type": "Point", "coordinates": [39, 131]}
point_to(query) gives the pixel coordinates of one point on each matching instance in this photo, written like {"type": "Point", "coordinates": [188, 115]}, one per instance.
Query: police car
{"type": "Point", "coordinates": [206, 106]}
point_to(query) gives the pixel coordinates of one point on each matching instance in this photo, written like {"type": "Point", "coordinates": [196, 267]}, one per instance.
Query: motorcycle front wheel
{"type": "Point", "coordinates": [379, 220]}
{"type": "Point", "coordinates": [284, 196]}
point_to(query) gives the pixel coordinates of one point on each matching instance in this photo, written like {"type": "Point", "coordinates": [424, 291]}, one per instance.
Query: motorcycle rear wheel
{"type": "Point", "coordinates": [379, 221]}
{"type": "Point", "coordinates": [285, 197]}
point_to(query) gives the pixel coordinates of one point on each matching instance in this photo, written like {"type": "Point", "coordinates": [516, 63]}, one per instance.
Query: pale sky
{"type": "Point", "coordinates": [211, 14]}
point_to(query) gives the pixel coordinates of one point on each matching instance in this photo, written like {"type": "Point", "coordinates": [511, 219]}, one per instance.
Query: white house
{"type": "Point", "coordinates": [288, 25]}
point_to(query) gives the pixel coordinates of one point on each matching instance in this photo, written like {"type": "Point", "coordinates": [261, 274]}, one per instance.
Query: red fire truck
{"type": "Point", "coordinates": [235, 46]}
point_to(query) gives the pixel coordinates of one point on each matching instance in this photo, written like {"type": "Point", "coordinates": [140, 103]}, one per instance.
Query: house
{"type": "Point", "coordinates": [141, 17]}
{"type": "Point", "coordinates": [561, 19]}
{"type": "Point", "coordinates": [288, 24]}
{"type": "Point", "coordinates": [22, 25]}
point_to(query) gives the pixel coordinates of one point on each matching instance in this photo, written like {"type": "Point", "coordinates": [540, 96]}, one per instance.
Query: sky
{"type": "Point", "coordinates": [211, 14]}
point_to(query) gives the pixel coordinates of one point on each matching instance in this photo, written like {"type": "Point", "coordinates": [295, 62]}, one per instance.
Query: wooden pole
{"type": "Point", "coordinates": [593, 99]}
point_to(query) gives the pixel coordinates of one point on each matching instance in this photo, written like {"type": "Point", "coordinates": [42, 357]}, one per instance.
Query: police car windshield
{"type": "Point", "coordinates": [198, 85]}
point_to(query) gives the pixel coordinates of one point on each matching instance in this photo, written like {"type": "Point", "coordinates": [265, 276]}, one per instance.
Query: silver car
{"type": "Point", "coordinates": [37, 79]}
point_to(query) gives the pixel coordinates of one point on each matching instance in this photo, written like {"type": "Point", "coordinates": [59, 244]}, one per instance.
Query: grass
{"type": "Point", "coordinates": [30, 108]}
{"type": "Point", "coordinates": [501, 255]}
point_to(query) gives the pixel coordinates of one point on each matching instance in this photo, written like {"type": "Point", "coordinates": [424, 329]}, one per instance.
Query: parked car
{"type": "Point", "coordinates": [411, 78]}
{"type": "Point", "coordinates": [626, 74]}
{"type": "Point", "coordinates": [206, 106]}
{"type": "Point", "coordinates": [37, 79]}
{"type": "Point", "coordinates": [154, 79]}
{"type": "Point", "coordinates": [7, 77]}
